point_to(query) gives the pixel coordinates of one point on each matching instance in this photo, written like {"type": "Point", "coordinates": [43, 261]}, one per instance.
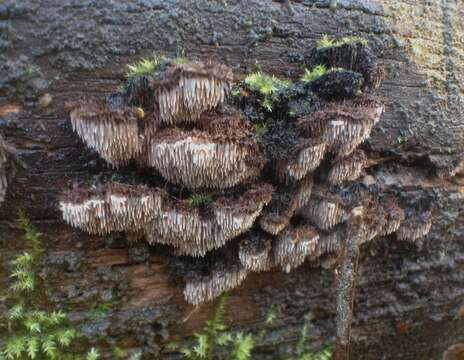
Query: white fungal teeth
{"type": "Point", "coordinates": [278, 216]}
{"type": "Point", "coordinates": [115, 208]}
{"type": "Point", "coordinates": [133, 208]}
{"type": "Point", "coordinates": [394, 216]}
{"type": "Point", "coordinates": [220, 279]}
{"type": "Point", "coordinates": [330, 242]}
{"type": "Point", "coordinates": [324, 213]}
{"type": "Point", "coordinates": [415, 227]}
{"type": "Point", "coordinates": [113, 134]}
{"type": "Point", "coordinates": [193, 234]}
{"type": "Point", "coordinates": [348, 168]}
{"type": "Point", "coordinates": [343, 127]}
{"type": "Point", "coordinates": [198, 162]}
{"type": "Point", "coordinates": [308, 159]}
{"type": "Point", "coordinates": [293, 245]}
{"type": "Point", "coordinates": [273, 223]}
{"type": "Point", "coordinates": [192, 90]}
{"type": "Point", "coordinates": [255, 253]}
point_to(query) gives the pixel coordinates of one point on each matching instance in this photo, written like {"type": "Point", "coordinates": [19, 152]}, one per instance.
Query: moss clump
{"type": "Point", "coordinates": [310, 75]}
{"type": "Point", "coordinates": [338, 84]}
{"type": "Point", "coordinates": [152, 65]}
{"type": "Point", "coordinates": [326, 41]}
{"type": "Point", "coordinates": [147, 66]}
{"type": "Point", "coordinates": [317, 72]}
{"type": "Point", "coordinates": [267, 88]}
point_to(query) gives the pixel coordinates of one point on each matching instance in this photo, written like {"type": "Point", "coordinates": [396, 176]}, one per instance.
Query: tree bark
{"type": "Point", "coordinates": [406, 298]}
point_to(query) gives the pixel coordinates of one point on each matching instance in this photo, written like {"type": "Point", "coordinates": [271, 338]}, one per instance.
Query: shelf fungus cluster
{"type": "Point", "coordinates": [7, 167]}
{"type": "Point", "coordinates": [229, 190]}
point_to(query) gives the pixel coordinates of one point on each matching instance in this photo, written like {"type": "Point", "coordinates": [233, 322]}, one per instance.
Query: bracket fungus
{"type": "Point", "coordinates": [345, 125]}
{"type": "Point", "coordinates": [7, 167]}
{"type": "Point", "coordinates": [294, 245]}
{"type": "Point", "coordinates": [112, 132]}
{"type": "Point", "coordinates": [348, 168]}
{"type": "Point", "coordinates": [221, 156]}
{"type": "Point", "coordinates": [222, 275]}
{"type": "Point", "coordinates": [194, 233]}
{"type": "Point", "coordinates": [284, 204]}
{"type": "Point", "coordinates": [309, 154]}
{"type": "Point", "coordinates": [273, 175]}
{"type": "Point", "coordinates": [415, 226]}
{"type": "Point", "coordinates": [112, 207]}
{"type": "Point", "coordinates": [185, 91]}
{"type": "Point", "coordinates": [255, 253]}
{"type": "Point", "coordinates": [324, 212]}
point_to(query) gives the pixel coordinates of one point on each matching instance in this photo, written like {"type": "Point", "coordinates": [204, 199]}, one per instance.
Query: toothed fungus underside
{"type": "Point", "coordinates": [272, 198]}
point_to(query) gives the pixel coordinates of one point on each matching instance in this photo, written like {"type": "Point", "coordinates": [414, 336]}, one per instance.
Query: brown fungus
{"type": "Point", "coordinates": [324, 212]}
{"type": "Point", "coordinates": [348, 168]}
{"type": "Point", "coordinates": [193, 232]}
{"type": "Point", "coordinates": [185, 91]}
{"type": "Point", "coordinates": [112, 132]}
{"type": "Point", "coordinates": [344, 125]}
{"type": "Point", "coordinates": [113, 207]}
{"type": "Point", "coordinates": [415, 226]}
{"type": "Point", "coordinates": [309, 154]}
{"type": "Point", "coordinates": [284, 204]}
{"type": "Point", "coordinates": [255, 253]}
{"type": "Point", "coordinates": [394, 216]}
{"type": "Point", "coordinates": [208, 158]}
{"type": "Point", "coordinates": [223, 276]}
{"type": "Point", "coordinates": [293, 245]}
{"type": "Point", "coordinates": [330, 242]}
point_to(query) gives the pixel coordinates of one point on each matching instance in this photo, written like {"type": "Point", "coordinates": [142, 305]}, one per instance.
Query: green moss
{"type": "Point", "coordinates": [198, 200]}
{"type": "Point", "coordinates": [260, 129]}
{"type": "Point", "coordinates": [326, 41]}
{"type": "Point", "coordinates": [316, 72]}
{"type": "Point", "coordinates": [214, 341]}
{"type": "Point", "coordinates": [154, 64]}
{"type": "Point", "coordinates": [267, 87]}
{"type": "Point", "coordinates": [146, 66]}
{"type": "Point", "coordinates": [310, 75]}
{"type": "Point", "coordinates": [265, 84]}
{"type": "Point", "coordinates": [31, 331]}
